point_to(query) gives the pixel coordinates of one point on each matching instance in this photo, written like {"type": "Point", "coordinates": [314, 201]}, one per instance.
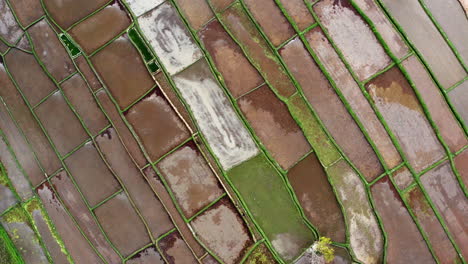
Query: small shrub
{"type": "Point", "coordinates": [323, 248]}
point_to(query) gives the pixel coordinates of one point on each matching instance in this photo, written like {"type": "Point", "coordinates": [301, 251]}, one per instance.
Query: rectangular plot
{"type": "Point", "coordinates": [299, 13]}
{"type": "Point", "coordinates": [310, 183]}
{"type": "Point", "coordinates": [18, 226]}
{"type": "Point", "coordinates": [124, 132]}
{"type": "Point", "coordinates": [402, 232]}
{"type": "Point", "coordinates": [71, 198]}
{"type": "Point", "coordinates": [443, 189]}
{"type": "Point", "coordinates": [140, 7]}
{"type": "Point", "coordinates": [81, 99]}
{"type": "Point", "coordinates": [276, 214]}
{"type": "Point", "coordinates": [255, 46]}
{"type": "Point", "coordinates": [169, 38]}
{"type": "Point", "coordinates": [138, 189]}
{"type": "Point", "coordinates": [140, 44]}
{"type": "Point", "coordinates": [421, 31]}
{"type": "Point", "coordinates": [115, 63]}
{"type": "Point", "coordinates": [197, 12]}
{"type": "Point", "coordinates": [225, 133]}
{"type": "Point", "coordinates": [274, 24]}
{"type": "Point", "coordinates": [156, 184]}
{"type": "Point", "coordinates": [223, 231]}
{"type": "Point", "coordinates": [190, 178]}
{"type": "Point", "coordinates": [175, 249]}
{"type": "Point", "coordinates": [277, 130]}
{"type": "Point", "coordinates": [428, 221]}
{"type": "Point", "coordinates": [91, 174]}
{"type": "Point", "coordinates": [322, 145]}
{"type": "Point", "coordinates": [449, 129]}
{"type": "Point", "coordinates": [29, 76]}
{"type": "Point", "coordinates": [461, 163]}
{"type": "Point", "coordinates": [100, 28]}
{"type": "Point", "coordinates": [72, 49]}
{"type": "Point", "coordinates": [153, 67]}
{"type": "Point", "coordinates": [149, 255]}
{"type": "Point", "coordinates": [28, 124]}
{"type": "Point", "coordinates": [27, 164]}
{"type": "Point", "coordinates": [50, 50]}
{"type": "Point", "coordinates": [353, 94]}
{"type": "Point", "coordinates": [239, 75]}
{"type": "Point", "coordinates": [340, 124]}
{"type": "Point", "coordinates": [399, 106]}
{"type": "Point", "coordinates": [156, 124]}
{"type": "Point", "coordinates": [47, 233]}
{"type": "Point", "coordinates": [10, 30]}
{"type": "Point", "coordinates": [67, 13]}
{"type": "Point", "coordinates": [365, 236]}
{"type": "Point", "coordinates": [75, 242]}
{"type": "Point", "coordinates": [175, 101]}
{"type": "Point", "coordinates": [88, 73]}
{"type": "Point", "coordinates": [61, 124]}
{"type": "Point", "coordinates": [122, 224]}
{"type": "Point", "coordinates": [353, 37]}
{"type": "Point", "coordinates": [459, 97]}
{"type": "Point", "coordinates": [449, 14]}
{"type": "Point", "coordinates": [383, 25]}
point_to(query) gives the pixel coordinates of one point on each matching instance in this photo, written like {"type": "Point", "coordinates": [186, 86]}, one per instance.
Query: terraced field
{"type": "Point", "coordinates": [233, 131]}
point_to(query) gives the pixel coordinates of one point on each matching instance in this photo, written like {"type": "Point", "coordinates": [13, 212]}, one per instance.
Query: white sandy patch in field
{"type": "Point", "coordinates": [287, 245]}
{"type": "Point", "coordinates": [9, 28]}
{"type": "Point", "coordinates": [415, 134]}
{"type": "Point", "coordinates": [354, 38]}
{"type": "Point", "coordinates": [311, 257]}
{"type": "Point", "coordinates": [139, 7]}
{"type": "Point", "coordinates": [365, 236]}
{"type": "Point", "coordinates": [169, 38]}
{"type": "Point", "coordinates": [384, 27]}
{"type": "Point", "coordinates": [226, 134]}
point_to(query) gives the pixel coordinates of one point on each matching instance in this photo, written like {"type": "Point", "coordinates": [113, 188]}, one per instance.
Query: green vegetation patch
{"type": "Point", "coordinates": [260, 255]}
{"type": "Point", "coordinates": [153, 67]}
{"type": "Point", "coordinates": [140, 44]}
{"type": "Point", "coordinates": [32, 205]}
{"type": "Point", "coordinates": [323, 146]}
{"type": "Point", "coordinates": [16, 215]}
{"type": "Point", "coordinates": [8, 251]}
{"type": "Point", "coordinates": [72, 48]}
{"type": "Point", "coordinates": [245, 26]}
{"type": "Point", "coordinates": [3, 176]}
{"type": "Point", "coordinates": [269, 201]}
{"type": "Point", "coordinates": [323, 248]}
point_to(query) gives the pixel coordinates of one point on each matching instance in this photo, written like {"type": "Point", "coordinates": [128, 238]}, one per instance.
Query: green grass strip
{"type": "Point", "coordinates": [8, 252]}
{"type": "Point", "coordinates": [140, 44]}
{"type": "Point", "coordinates": [72, 48]}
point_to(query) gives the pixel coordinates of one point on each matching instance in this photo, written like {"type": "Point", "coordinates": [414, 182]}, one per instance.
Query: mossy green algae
{"type": "Point", "coordinates": [272, 206]}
